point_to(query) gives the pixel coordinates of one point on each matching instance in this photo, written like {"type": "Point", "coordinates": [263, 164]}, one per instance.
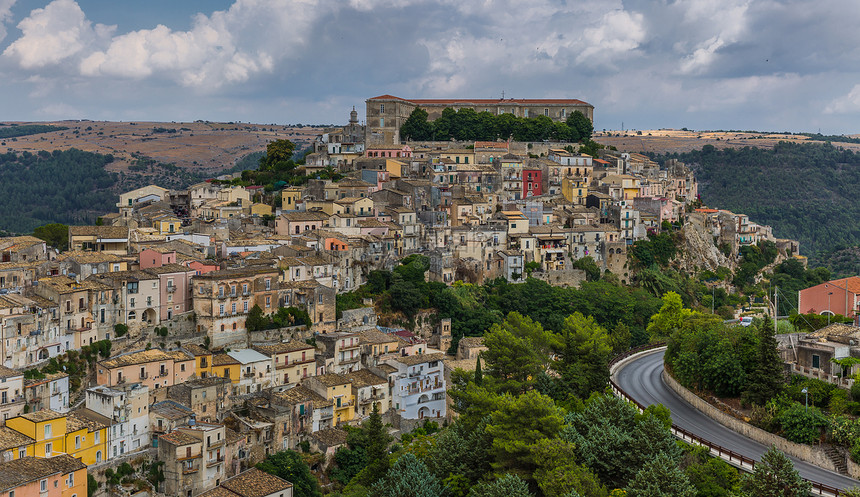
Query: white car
{"type": "Point", "coordinates": [746, 321]}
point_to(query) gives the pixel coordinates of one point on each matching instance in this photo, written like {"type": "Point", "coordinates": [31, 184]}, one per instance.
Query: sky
{"type": "Point", "coordinates": [768, 65]}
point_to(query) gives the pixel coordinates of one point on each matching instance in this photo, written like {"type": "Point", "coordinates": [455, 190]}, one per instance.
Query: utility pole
{"type": "Point", "coordinates": [775, 308]}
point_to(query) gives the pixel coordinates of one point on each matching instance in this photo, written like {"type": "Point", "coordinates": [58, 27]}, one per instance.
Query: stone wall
{"type": "Point", "coordinates": [561, 277]}
{"type": "Point", "coordinates": [301, 333]}
{"type": "Point", "coordinates": [811, 454]}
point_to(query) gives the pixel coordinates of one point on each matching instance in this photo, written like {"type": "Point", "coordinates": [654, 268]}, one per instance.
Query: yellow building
{"type": "Point", "coordinates": [575, 189]}
{"type": "Point", "coordinates": [226, 367]}
{"type": "Point", "coordinates": [258, 209]}
{"type": "Point", "coordinates": [167, 224]}
{"type": "Point", "coordinates": [81, 434]}
{"type": "Point", "coordinates": [14, 445]}
{"type": "Point", "coordinates": [202, 360]}
{"type": "Point", "coordinates": [290, 198]}
{"type": "Point", "coordinates": [338, 389]}
{"type": "Point", "coordinates": [459, 156]}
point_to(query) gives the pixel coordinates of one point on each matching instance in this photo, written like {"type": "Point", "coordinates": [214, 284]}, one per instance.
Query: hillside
{"type": "Point", "coordinates": [806, 191]}
{"type": "Point", "coordinates": [663, 141]}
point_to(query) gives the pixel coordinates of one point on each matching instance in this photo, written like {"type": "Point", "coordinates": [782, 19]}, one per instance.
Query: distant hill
{"type": "Point", "coordinates": [170, 154]}
{"type": "Point", "coordinates": [806, 191]}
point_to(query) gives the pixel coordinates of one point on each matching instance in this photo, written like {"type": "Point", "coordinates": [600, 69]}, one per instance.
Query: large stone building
{"type": "Point", "coordinates": [387, 113]}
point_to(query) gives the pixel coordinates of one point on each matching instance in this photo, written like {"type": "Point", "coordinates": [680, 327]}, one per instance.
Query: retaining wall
{"type": "Point", "coordinates": [811, 454]}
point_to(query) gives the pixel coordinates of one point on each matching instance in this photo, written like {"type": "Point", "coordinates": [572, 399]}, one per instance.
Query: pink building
{"type": "Point", "coordinates": [175, 288]}
{"type": "Point", "coordinates": [153, 258]}
{"type": "Point", "coordinates": [203, 267]}
{"type": "Point", "coordinates": [391, 151]}
{"type": "Point", "coordinates": [44, 477]}
{"type": "Point", "coordinates": [833, 297]}
{"type": "Point", "coordinates": [153, 368]}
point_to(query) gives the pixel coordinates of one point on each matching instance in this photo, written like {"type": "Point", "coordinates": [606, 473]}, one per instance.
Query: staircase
{"type": "Point", "coordinates": [838, 459]}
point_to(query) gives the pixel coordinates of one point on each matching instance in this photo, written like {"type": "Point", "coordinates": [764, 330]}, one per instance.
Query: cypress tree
{"type": "Point", "coordinates": [767, 378]}
{"type": "Point", "coordinates": [479, 376]}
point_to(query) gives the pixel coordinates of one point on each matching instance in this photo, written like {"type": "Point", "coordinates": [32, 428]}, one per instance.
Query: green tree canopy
{"type": "Point", "coordinates": [290, 466]}
{"type": "Point", "coordinates": [55, 235]}
{"type": "Point", "coordinates": [661, 477]}
{"type": "Point", "coordinates": [518, 424]}
{"type": "Point", "coordinates": [408, 477]}
{"type": "Point", "coordinates": [775, 476]}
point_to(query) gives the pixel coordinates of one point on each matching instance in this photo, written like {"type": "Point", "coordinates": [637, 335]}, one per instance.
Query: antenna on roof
{"type": "Point", "coordinates": [503, 94]}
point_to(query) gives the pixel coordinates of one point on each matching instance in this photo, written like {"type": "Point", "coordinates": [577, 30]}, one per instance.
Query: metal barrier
{"type": "Point", "coordinates": [741, 461]}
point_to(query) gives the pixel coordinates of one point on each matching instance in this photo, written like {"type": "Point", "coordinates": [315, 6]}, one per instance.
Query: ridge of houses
{"type": "Point", "coordinates": [197, 264]}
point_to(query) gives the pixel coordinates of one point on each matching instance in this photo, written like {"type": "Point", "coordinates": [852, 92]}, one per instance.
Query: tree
{"type": "Point", "coordinates": [377, 440]}
{"type": "Point", "coordinates": [661, 477]}
{"type": "Point", "coordinates": [416, 126]}
{"type": "Point", "coordinates": [767, 378]}
{"type": "Point", "coordinates": [775, 476]}
{"type": "Point", "coordinates": [278, 156]}
{"type": "Point", "coordinates": [479, 376]}
{"type": "Point", "coordinates": [581, 124]}
{"type": "Point", "coordinates": [408, 477]}
{"type": "Point", "coordinates": [507, 485]}
{"type": "Point", "coordinates": [516, 352]}
{"type": "Point", "coordinates": [518, 424]}
{"type": "Point", "coordinates": [55, 235]}
{"type": "Point", "coordinates": [671, 316]}
{"type": "Point", "coordinates": [583, 356]}
{"type": "Point", "coordinates": [587, 264]}
{"type": "Point", "coordinates": [289, 465]}
{"type": "Point", "coordinates": [557, 472]}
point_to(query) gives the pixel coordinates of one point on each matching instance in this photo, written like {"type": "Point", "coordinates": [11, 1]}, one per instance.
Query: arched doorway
{"type": "Point", "coordinates": [424, 412]}
{"type": "Point", "coordinates": [149, 316]}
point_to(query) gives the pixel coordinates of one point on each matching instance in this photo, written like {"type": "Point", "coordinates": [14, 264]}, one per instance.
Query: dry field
{"type": "Point", "coordinates": [202, 146]}
{"type": "Point", "coordinates": [674, 140]}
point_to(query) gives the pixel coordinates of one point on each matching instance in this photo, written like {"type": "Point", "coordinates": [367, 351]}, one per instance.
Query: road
{"type": "Point", "coordinates": [641, 380]}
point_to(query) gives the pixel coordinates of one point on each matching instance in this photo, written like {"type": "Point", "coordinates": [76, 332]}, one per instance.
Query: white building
{"type": "Point", "coordinates": [127, 407]}
{"type": "Point", "coordinates": [419, 386]}
{"type": "Point", "coordinates": [257, 370]}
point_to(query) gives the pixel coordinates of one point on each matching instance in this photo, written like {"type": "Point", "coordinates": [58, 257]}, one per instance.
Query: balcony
{"type": "Point", "coordinates": [249, 375]}
{"type": "Point", "coordinates": [217, 443]}
{"type": "Point", "coordinates": [326, 415]}
{"type": "Point", "coordinates": [171, 288]}
{"type": "Point", "coordinates": [214, 461]}
{"type": "Point", "coordinates": [350, 360]}
{"type": "Point", "coordinates": [187, 471]}
{"type": "Point", "coordinates": [144, 376]}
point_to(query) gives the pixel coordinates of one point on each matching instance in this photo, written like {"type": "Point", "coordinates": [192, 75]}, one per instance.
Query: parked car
{"type": "Point", "coordinates": [746, 321]}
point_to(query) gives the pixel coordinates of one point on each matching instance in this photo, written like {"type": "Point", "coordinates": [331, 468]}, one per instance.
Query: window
{"type": "Point", "coordinates": [47, 431]}
{"type": "Point", "coordinates": [381, 107]}
{"type": "Point", "coordinates": [268, 284]}
{"type": "Point", "coordinates": [816, 361]}
{"type": "Point", "coordinates": [245, 307]}
{"type": "Point", "coordinates": [268, 301]}
{"type": "Point", "coordinates": [77, 442]}
{"type": "Point", "coordinates": [49, 449]}
{"type": "Point", "coordinates": [546, 112]}
{"type": "Point", "coordinates": [320, 298]}
{"type": "Point", "coordinates": [71, 480]}
{"type": "Point", "coordinates": [233, 308]}
{"type": "Point", "coordinates": [381, 122]}
{"type": "Point", "coordinates": [43, 485]}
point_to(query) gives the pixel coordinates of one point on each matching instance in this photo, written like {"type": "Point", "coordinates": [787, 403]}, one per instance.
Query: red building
{"type": "Point", "coordinates": [834, 297]}
{"type": "Point", "coordinates": [532, 182]}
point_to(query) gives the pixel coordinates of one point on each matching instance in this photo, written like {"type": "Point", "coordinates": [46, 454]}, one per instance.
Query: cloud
{"type": "Point", "coordinates": [688, 63]}
{"type": "Point", "coordinates": [5, 15]}
{"type": "Point", "coordinates": [845, 104]}
{"type": "Point", "coordinates": [615, 35]}
{"type": "Point", "coordinates": [53, 34]}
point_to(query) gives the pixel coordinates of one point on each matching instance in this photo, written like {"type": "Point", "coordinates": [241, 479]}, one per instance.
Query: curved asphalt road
{"type": "Point", "coordinates": [641, 380]}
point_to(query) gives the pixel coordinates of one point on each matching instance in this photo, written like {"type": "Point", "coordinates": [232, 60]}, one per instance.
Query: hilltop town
{"type": "Point", "coordinates": [199, 330]}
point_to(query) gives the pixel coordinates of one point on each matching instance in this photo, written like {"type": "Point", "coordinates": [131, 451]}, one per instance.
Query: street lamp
{"type": "Point", "coordinates": [806, 393]}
